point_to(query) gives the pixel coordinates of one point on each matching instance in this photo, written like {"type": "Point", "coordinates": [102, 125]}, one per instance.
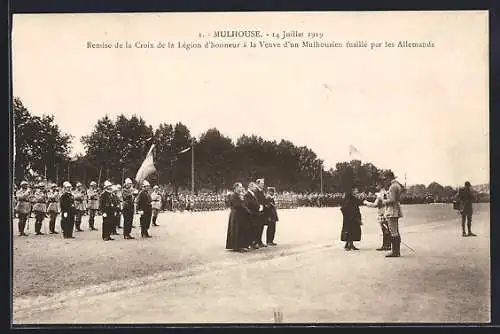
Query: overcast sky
{"type": "Point", "coordinates": [423, 112]}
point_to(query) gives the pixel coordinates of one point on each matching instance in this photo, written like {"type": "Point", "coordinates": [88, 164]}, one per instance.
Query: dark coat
{"type": "Point", "coordinates": [238, 227]}
{"type": "Point", "coordinates": [67, 205]}
{"type": "Point", "coordinates": [106, 203]}
{"type": "Point", "coordinates": [351, 222]}
{"type": "Point", "coordinates": [273, 213]}
{"type": "Point", "coordinates": [144, 202]}
{"type": "Point", "coordinates": [465, 198]}
{"type": "Point", "coordinates": [128, 201]}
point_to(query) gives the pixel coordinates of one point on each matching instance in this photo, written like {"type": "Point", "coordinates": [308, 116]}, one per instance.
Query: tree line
{"type": "Point", "coordinates": [115, 149]}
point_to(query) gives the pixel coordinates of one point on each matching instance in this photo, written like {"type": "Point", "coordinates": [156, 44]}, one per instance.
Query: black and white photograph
{"type": "Point", "coordinates": [250, 168]}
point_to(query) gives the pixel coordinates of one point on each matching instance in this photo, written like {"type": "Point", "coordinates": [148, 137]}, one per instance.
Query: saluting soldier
{"type": "Point", "coordinates": [156, 202]}
{"type": "Point", "coordinates": [128, 209]}
{"type": "Point", "coordinates": [107, 209]}
{"type": "Point", "coordinates": [39, 207]}
{"type": "Point", "coordinates": [93, 204]}
{"type": "Point", "coordinates": [53, 207]}
{"type": "Point", "coordinates": [144, 208]}
{"type": "Point", "coordinates": [23, 206]}
{"type": "Point", "coordinates": [67, 205]}
{"type": "Point", "coordinates": [78, 195]}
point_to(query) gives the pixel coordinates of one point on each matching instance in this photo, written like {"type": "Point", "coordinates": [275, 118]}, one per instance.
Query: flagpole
{"type": "Point", "coordinates": [192, 166]}
{"type": "Point", "coordinates": [69, 166]}
{"type": "Point", "coordinates": [99, 179]}
{"type": "Point", "coordinates": [57, 174]}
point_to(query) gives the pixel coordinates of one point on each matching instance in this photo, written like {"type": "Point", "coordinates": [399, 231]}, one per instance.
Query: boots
{"type": "Point", "coordinates": [154, 221]}
{"type": "Point", "coordinates": [38, 228]}
{"type": "Point", "coordinates": [386, 242]}
{"type": "Point", "coordinates": [396, 243]}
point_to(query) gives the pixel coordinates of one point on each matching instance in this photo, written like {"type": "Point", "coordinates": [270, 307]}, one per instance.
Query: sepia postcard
{"type": "Point", "coordinates": [251, 168]}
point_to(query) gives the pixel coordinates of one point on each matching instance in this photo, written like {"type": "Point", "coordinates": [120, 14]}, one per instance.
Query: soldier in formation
{"type": "Point", "coordinates": [107, 208]}
{"type": "Point", "coordinates": [144, 209]}
{"type": "Point", "coordinates": [23, 206]}
{"type": "Point", "coordinates": [156, 203]}
{"type": "Point", "coordinates": [78, 196]}
{"type": "Point", "coordinates": [93, 204]}
{"type": "Point", "coordinates": [53, 207]}
{"type": "Point", "coordinates": [39, 207]}
{"type": "Point", "coordinates": [127, 209]}
{"type": "Point", "coordinates": [68, 210]}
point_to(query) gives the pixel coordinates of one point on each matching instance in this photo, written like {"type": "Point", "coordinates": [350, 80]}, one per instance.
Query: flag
{"type": "Point", "coordinates": [147, 168]}
{"type": "Point", "coordinates": [184, 150]}
{"type": "Point", "coordinates": [354, 154]}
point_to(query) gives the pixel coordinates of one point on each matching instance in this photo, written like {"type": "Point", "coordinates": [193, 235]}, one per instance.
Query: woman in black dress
{"type": "Point", "coordinates": [237, 230]}
{"type": "Point", "coordinates": [351, 224]}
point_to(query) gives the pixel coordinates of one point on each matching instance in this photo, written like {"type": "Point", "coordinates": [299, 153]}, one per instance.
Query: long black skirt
{"type": "Point", "coordinates": [237, 231]}
{"type": "Point", "coordinates": [351, 231]}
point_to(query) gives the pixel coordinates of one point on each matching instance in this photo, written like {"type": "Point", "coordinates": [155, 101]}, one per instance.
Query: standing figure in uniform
{"type": "Point", "coordinates": [272, 217]}
{"type": "Point", "coordinates": [107, 209]}
{"type": "Point", "coordinates": [393, 213]}
{"type": "Point", "coordinates": [67, 205]}
{"type": "Point", "coordinates": [115, 202]}
{"type": "Point", "coordinates": [93, 204]}
{"type": "Point", "coordinates": [144, 209]}
{"type": "Point", "coordinates": [53, 207]}
{"type": "Point", "coordinates": [118, 194]}
{"type": "Point", "coordinates": [465, 198]}
{"type": "Point", "coordinates": [381, 195]}
{"type": "Point", "coordinates": [78, 195]}
{"type": "Point", "coordinates": [23, 206]}
{"type": "Point", "coordinates": [39, 207]}
{"type": "Point", "coordinates": [156, 203]}
{"type": "Point", "coordinates": [351, 222]}
{"type": "Point", "coordinates": [264, 212]}
{"type": "Point", "coordinates": [128, 209]}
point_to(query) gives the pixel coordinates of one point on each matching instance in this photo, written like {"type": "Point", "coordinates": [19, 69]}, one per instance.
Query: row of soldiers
{"type": "Point", "coordinates": [112, 203]}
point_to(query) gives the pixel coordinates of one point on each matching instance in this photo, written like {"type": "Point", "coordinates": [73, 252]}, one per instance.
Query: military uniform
{"type": "Point", "coordinates": [78, 195]}
{"type": "Point", "coordinates": [93, 206]}
{"type": "Point", "coordinates": [53, 208]}
{"type": "Point", "coordinates": [128, 212]}
{"type": "Point", "coordinates": [156, 202]}
{"type": "Point", "coordinates": [393, 213]}
{"type": "Point", "coordinates": [23, 207]}
{"type": "Point", "coordinates": [39, 208]}
{"type": "Point", "coordinates": [107, 209]}
{"type": "Point", "coordinates": [116, 214]}
{"type": "Point", "coordinates": [382, 220]}
{"type": "Point", "coordinates": [144, 206]}
{"type": "Point", "coordinates": [67, 205]}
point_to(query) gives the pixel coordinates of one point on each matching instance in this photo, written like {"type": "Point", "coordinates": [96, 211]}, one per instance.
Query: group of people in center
{"type": "Point", "coordinates": [252, 209]}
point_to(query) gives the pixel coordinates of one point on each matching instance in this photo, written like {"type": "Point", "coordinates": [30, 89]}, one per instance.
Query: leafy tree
{"type": "Point", "coordinates": [39, 143]}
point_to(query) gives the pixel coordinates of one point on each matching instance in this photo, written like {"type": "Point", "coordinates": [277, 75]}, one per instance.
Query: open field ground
{"type": "Point", "coordinates": [184, 274]}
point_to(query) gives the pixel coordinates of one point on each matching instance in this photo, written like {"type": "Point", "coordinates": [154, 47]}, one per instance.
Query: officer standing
{"type": "Point", "coordinates": [107, 209]}
{"type": "Point", "coordinates": [465, 199]}
{"type": "Point", "coordinates": [39, 207]}
{"type": "Point", "coordinates": [53, 207]}
{"type": "Point", "coordinates": [67, 205]}
{"type": "Point", "coordinates": [381, 195]}
{"type": "Point", "coordinates": [79, 208]}
{"type": "Point", "coordinates": [23, 206]}
{"type": "Point", "coordinates": [393, 213]}
{"type": "Point", "coordinates": [144, 208]}
{"type": "Point", "coordinates": [128, 209]}
{"type": "Point", "coordinates": [93, 203]}
{"type": "Point", "coordinates": [155, 203]}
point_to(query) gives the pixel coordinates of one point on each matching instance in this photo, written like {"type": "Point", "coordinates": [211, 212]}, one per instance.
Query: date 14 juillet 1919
{"type": "Point", "coordinates": [258, 34]}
